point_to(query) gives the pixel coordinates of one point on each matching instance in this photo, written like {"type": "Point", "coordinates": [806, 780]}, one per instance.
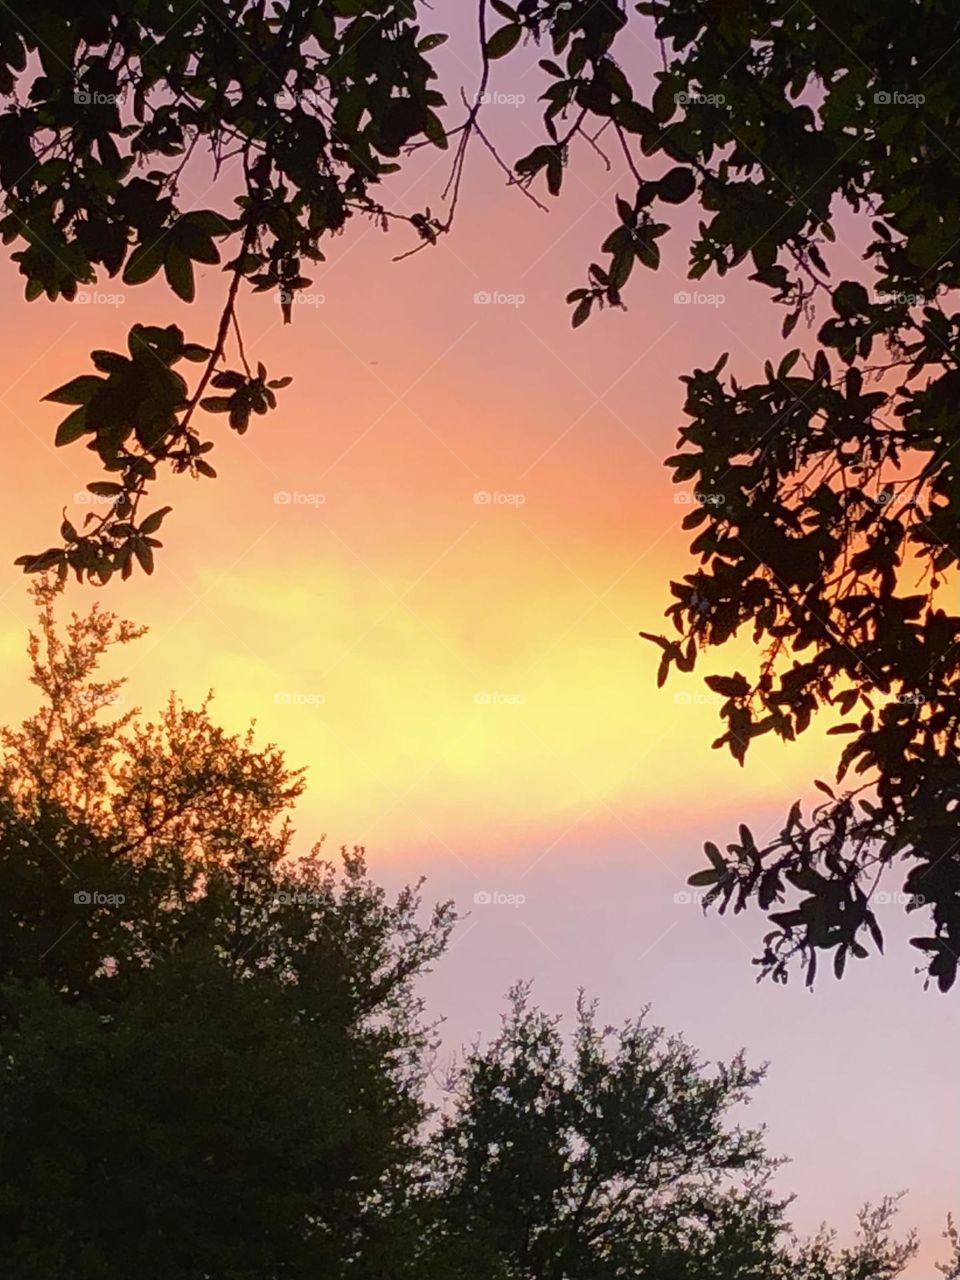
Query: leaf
{"type": "Point", "coordinates": [676, 186]}
{"type": "Point", "coordinates": [704, 877]}
{"type": "Point", "coordinates": [581, 312]}
{"type": "Point", "coordinates": [502, 41]}
{"type": "Point", "coordinates": [431, 42]}
{"type": "Point", "coordinates": [78, 390]}
{"type": "Point", "coordinates": [154, 521]}
{"type": "Point", "coordinates": [144, 263]}
{"type": "Point", "coordinates": [72, 427]}
{"type": "Point", "coordinates": [216, 404]}
{"type": "Point", "coordinates": [144, 554]}
{"type": "Point", "coordinates": [179, 272]}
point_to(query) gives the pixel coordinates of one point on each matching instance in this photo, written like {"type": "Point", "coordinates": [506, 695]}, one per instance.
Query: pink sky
{"type": "Point", "coordinates": [383, 599]}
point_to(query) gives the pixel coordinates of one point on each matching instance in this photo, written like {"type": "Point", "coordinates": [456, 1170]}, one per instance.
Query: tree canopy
{"type": "Point", "coordinates": [214, 1056]}
{"type": "Point", "coordinates": [828, 491]}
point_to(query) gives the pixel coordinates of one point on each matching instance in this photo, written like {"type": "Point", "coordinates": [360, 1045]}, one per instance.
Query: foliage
{"type": "Point", "coordinates": [619, 1158]}
{"type": "Point", "coordinates": [211, 1048]}
{"type": "Point", "coordinates": [214, 1055]}
{"type": "Point", "coordinates": [300, 110]}
{"type": "Point", "coordinates": [828, 492]}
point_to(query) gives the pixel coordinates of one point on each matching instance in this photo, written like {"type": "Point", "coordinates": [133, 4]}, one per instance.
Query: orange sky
{"type": "Point", "coordinates": [464, 679]}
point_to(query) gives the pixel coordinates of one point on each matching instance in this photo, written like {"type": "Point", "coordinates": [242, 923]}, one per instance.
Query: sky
{"type": "Point", "coordinates": [424, 577]}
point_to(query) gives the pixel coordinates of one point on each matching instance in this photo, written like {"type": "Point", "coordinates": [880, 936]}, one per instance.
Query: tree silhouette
{"type": "Point", "coordinates": [214, 1054]}
{"type": "Point", "coordinates": [828, 492]}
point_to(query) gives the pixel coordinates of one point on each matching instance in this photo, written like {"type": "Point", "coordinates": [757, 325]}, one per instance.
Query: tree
{"type": "Point", "coordinates": [301, 110]}
{"type": "Point", "coordinates": [212, 1050]}
{"type": "Point", "coordinates": [214, 1054]}
{"type": "Point", "coordinates": [619, 1158]}
{"type": "Point", "coordinates": [828, 492]}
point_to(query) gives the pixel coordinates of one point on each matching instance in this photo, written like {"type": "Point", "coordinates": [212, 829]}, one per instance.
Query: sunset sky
{"type": "Point", "coordinates": [464, 679]}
